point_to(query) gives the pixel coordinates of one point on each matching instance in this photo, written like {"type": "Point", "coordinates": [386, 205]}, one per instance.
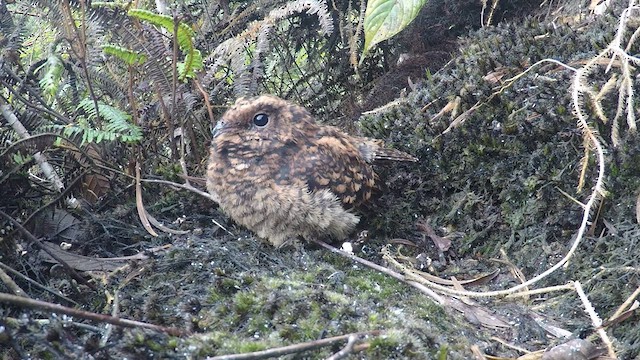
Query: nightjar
{"type": "Point", "coordinates": [281, 175]}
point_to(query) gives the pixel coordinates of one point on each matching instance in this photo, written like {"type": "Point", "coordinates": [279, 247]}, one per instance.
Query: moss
{"type": "Point", "coordinates": [491, 183]}
{"type": "Point", "coordinates": [222, 342]}
{"type": "Point", "coordinates": [244, 302]}
{"type": "Point", "coordinates": [387, 345]}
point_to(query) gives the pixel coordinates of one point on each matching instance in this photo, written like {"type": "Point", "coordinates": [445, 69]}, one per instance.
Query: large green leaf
{"type": "Point", "coordinates": [385, 18]}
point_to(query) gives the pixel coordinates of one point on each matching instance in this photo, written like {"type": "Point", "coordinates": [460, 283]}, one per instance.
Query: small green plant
{"type": "Point", "coordinates": [118, 124]}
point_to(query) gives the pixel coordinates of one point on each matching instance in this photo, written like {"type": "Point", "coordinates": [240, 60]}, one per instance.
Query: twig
{"type": "Point", "coordinates": [439, 299]}
{"type": "Point", "coordinates": [510, 346]}
{"type": "Point", "coordinates": [543, 290]}
{"type": "Point", "coordinates": [57, 308]}
{"type": "Point", "coordinates": [212, 197]}
{"type": "Point", "coordinates": [296, 348]}
{"type": "Point", "coordinates": [627, 303]}
{"type": "Point", "coordinates": [346, 350]}
{"type": "Point", "coordinates": [595, 320]}
{"type": "Point", "coordinates": [8, 281]}
{"type": "Point", "coordinates": [183, 186]}
{"type": "Point", "coordinates": [35, 283]}
{"type": "Point", "coordinates": [42, 161]}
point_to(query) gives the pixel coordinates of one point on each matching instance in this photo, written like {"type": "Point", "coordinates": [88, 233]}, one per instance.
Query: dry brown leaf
{"type": "Point", "coordinates": [478, 315]}
{"type": "Point", "coordinates": [442, 243]}
{"type": "Point", "coordinates": [496, 76]}
{"type": "Point", "coordinates": [142, 212]}
{"type": "Point", "coordinates": [96, 183]}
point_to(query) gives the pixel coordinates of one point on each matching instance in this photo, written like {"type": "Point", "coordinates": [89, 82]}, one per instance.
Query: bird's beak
{"type": "Point", "coordinates": [218, 129]}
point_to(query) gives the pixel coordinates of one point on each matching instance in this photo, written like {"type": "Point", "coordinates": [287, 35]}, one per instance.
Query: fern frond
{"type": "Point", "coordinates": [190, 99]}
{"type": "Point", "coordinates": [157, 67]}
{"type": "Point", "coordinates": [129, 57]}
{"type": "Point", "coordinates": [243, 54]}
{"type": "Point", "coordinates": [51, 75]}
{"type": "Point", "coordinates": [117, 124]}
{"type": "Point", "coordinates": [11, 34]}
{"type": "Point", "coordinates": [109, 84]}
{"type": "Point", "coordinates": [311, 7]}
{"type": "Point", "coordinates": [184, 36]}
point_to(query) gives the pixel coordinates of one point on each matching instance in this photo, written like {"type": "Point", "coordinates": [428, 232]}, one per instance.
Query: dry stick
{"type": "Point", "coordinates": [37, 242]}
{"type": "Point", "coordinates": [205, 96]}
{"type": "Point", "coordinates": [59, 309]}
{"type": "Point", "coordinates": [543, 290]}
{"type": "Point", "coordinates": [439, 299]}
{"type": "Point", "coordinates": [17, 126]}
{"type": "Point", "coordinates": [296, 348]}
{"type": "Point", "coordinates": [182, 186]}
{"type": "Point", "coordinates": [212, 197]}
{"type": "Point", "coordinates": [595, 320]}
{"type": "Point", "coordinates": [345, 351]}
{"type": "Point", "coordinates": [627, 303]}
{"type": "Point", "coordinates": [186, 186]}
{"type": "Point", "coordinates": [8, 281]}
{"type": "Point", "coordinates": [35, 283]}
{"type": "Point", "coordinates": [510, 346]}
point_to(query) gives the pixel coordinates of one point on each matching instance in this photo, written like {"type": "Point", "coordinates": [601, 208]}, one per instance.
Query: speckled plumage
{"type": "Point", "coordinates": [281, 175]}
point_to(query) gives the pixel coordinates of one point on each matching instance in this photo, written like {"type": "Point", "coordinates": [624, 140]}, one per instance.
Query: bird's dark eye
{"type": "Point", "coordinates": [260, 120]}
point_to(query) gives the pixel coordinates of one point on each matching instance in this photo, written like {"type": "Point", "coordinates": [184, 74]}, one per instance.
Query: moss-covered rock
{"type": "Point", "coordinates": [498, 180]}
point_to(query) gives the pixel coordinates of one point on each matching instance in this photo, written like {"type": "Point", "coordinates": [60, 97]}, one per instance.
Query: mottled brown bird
{"type": "Point", "coordinates": [281, 175]}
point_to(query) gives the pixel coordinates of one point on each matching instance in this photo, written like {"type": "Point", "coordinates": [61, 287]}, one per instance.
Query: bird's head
{"type": "Point", "coordinates": [261, 119]}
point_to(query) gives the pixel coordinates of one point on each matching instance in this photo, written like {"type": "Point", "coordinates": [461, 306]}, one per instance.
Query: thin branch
{"type": "Point", "coordinates": [35, 283]}
{"type": "Point", "coordinates": [595, 320]}
{"type": "Point", "coordinates": [346, 350]}
{"type": "Point", "coordinates": [384, 270]}
{"type": "Point", "coordinates": [59, 309]}
{"type": "Point", "coordinates": [17, 126]}
{"type": "Point", "coordinates": [296, 348]}
{"type": "Point", "coordinates": [8, 282]}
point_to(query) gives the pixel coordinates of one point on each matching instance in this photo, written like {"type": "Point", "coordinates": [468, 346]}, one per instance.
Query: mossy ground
{"type": "Point", "coordinates": [493, 183]}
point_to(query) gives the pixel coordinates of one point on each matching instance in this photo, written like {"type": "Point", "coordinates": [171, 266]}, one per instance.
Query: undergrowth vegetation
{"type": "Point", "coordinates": [106, 115]}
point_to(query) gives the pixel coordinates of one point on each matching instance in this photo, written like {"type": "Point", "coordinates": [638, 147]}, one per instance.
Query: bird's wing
{"type": "Point", "coordinates": [331, 161]}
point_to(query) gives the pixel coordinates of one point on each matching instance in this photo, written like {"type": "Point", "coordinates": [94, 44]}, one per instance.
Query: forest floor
{"type": "Point", "coordinates": [510, 185]}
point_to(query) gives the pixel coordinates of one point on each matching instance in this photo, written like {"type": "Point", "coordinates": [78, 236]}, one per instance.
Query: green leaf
{"type": "Point", "coordinates": [193, 58]}
{"type": "Point", "coordinates": [385, 18]}
{"type": "Point", "coordinates": [130, 57]}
